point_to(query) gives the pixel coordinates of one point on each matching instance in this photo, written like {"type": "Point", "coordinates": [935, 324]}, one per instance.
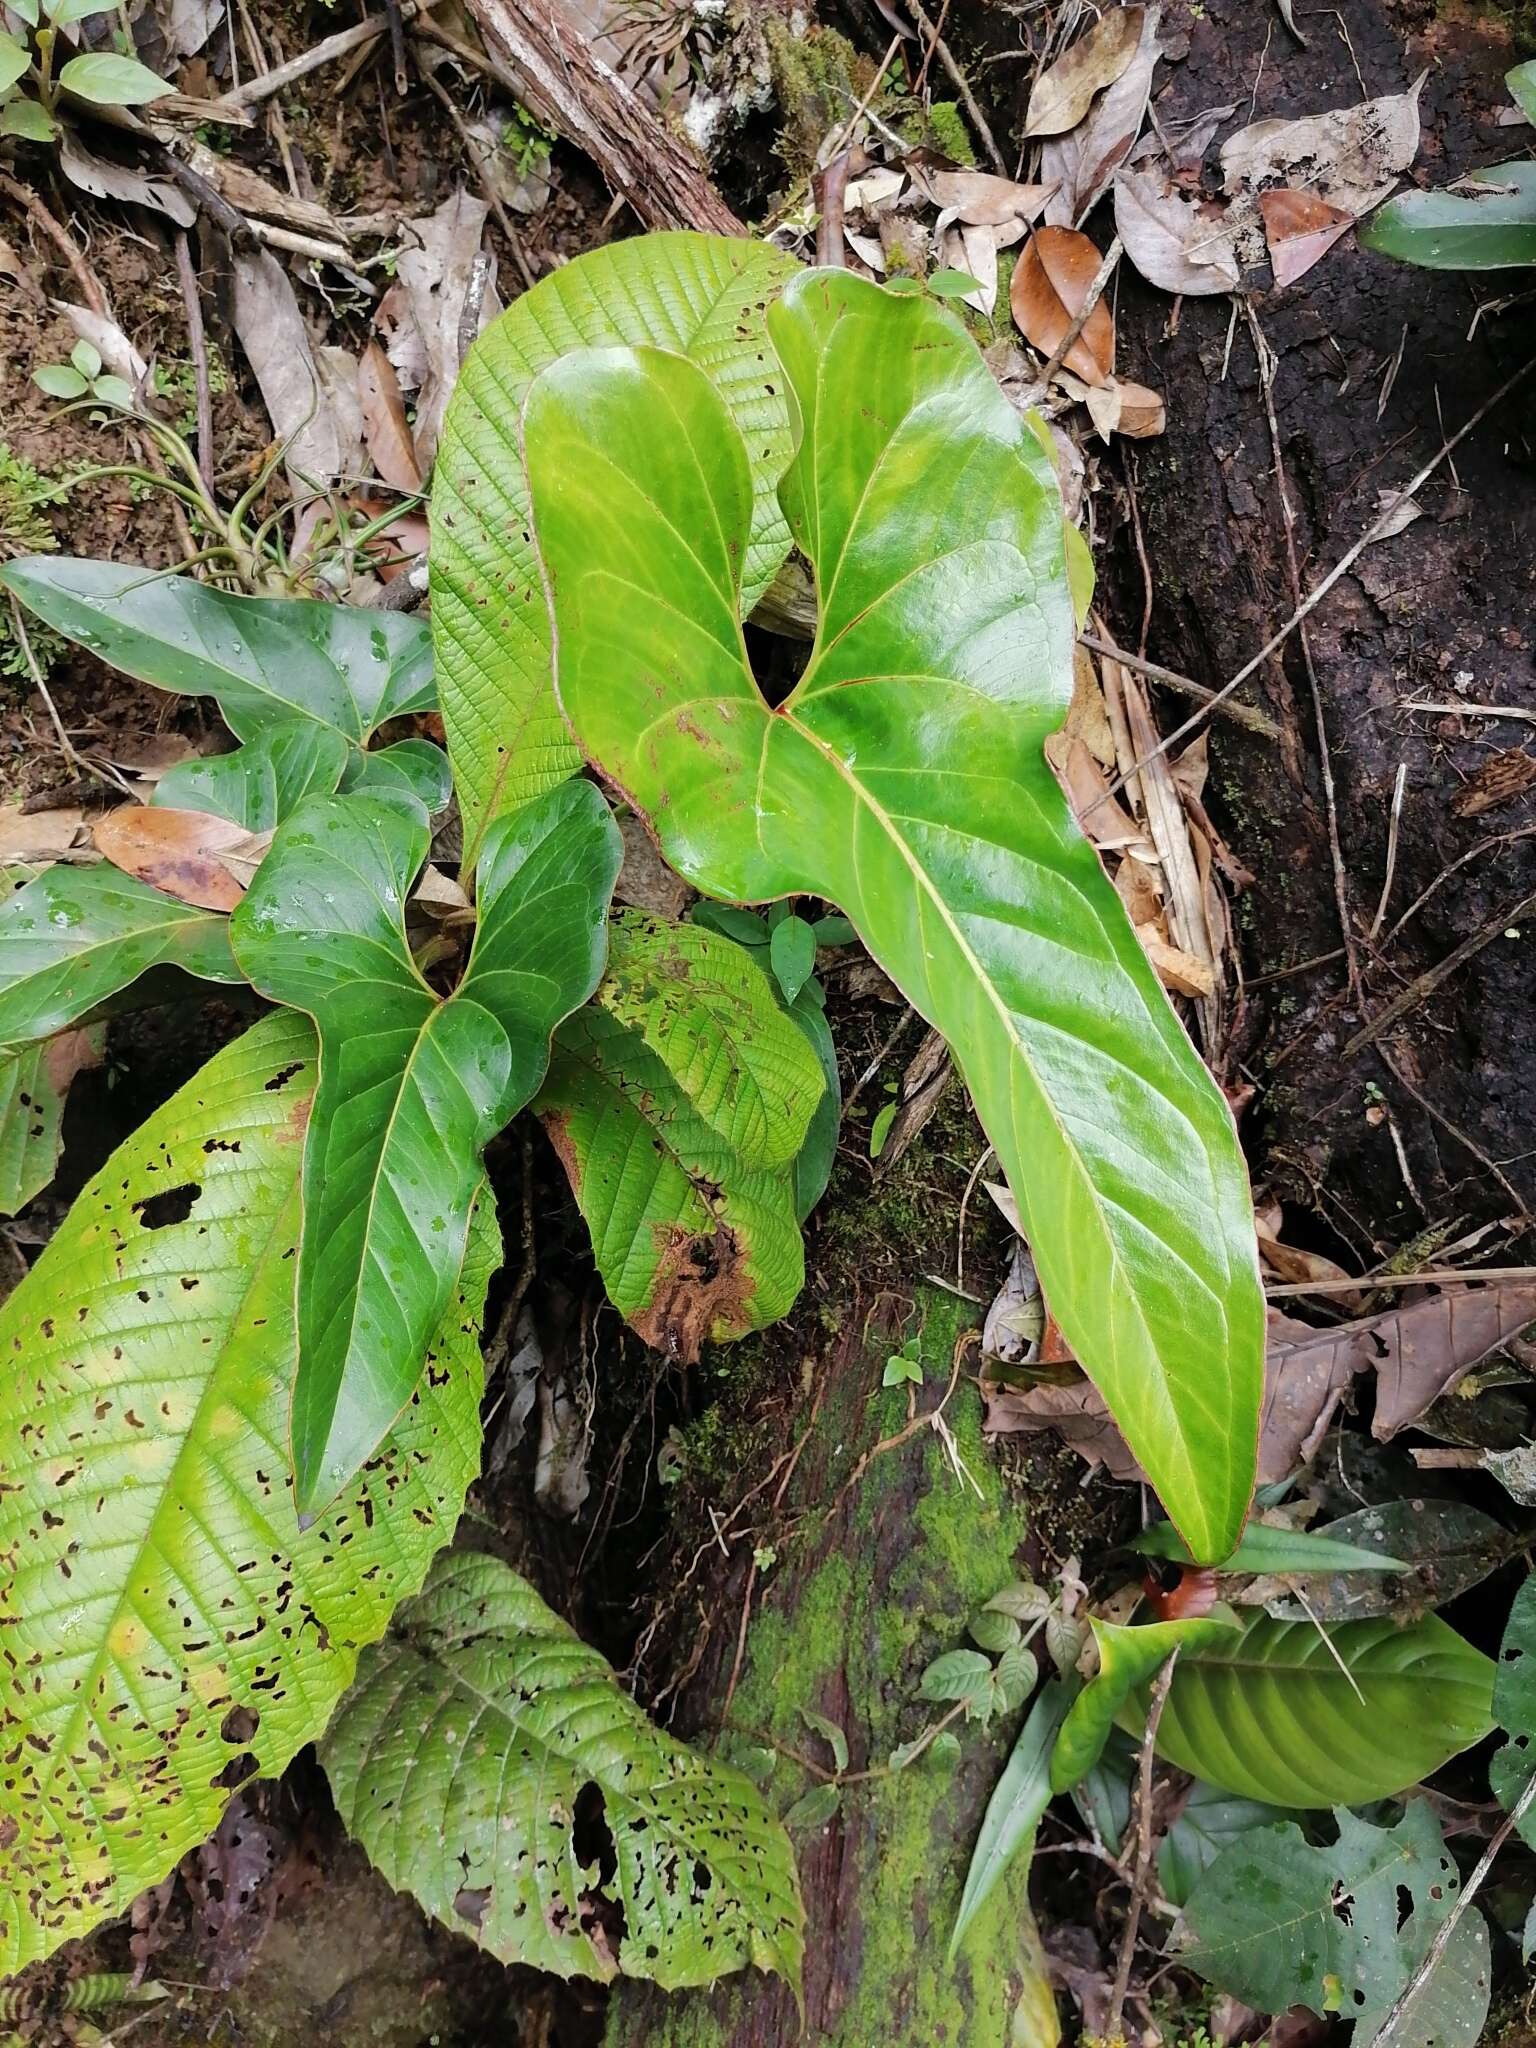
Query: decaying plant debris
{"type": "Point", "coordinates": [806, 1578]}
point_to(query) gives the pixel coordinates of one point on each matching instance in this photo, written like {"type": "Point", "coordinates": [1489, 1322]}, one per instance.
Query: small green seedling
{"type": "Point", "coordinates": [904, 1365]}
{"type": "Point", "coordinates": [83, 377]}
{"type": "Point", "coordinates": [102, 78]}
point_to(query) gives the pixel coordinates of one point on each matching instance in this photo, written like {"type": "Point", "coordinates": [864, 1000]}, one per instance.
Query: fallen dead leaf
{"type": "Point", "coordinates": [1178, 242]}
{"type": "Point", "coordinates": [104, 179]}
{"type": "Point", "coordinates": [1351, 156]}
{"type": "Point", "coordinates": [1064, 93]}
{"type": "Point", "coordinates": [1176, 970]}
{"type": "Point", "coordinates": [1116, 407]}
{"type": "Point", "coordinates": [1076, 1412]}
{"type": "Point", "coordinates": [1403, 512]}
{"type": "Point", "coordinates": [318, 421]}
{"type": "Point", "coordinates": [28, 837]}
{"type": "Point", "coordinates": [1085, 160]}
{"type": "Point", "coordinates": [645, 880]}
{"type": "Point", "coordinates": [1050, 282]}
{"type": "Point", "coordinates": [243, 856]}
{"type": "Point", "coordinates": [174, 851]}
{"type": "Point", "coordinates": [1297, 1267]}
{"type": "Point", "coordinates": [1300, 229]}
{"type": "Point", "coordinates": [421, 312]}
{"type": "Point", "coordinates": [1501, 778]}
{"type": "Point", "coordinates": [980, 198]}
{"type": "Point", "coordinates": [1100, 816]}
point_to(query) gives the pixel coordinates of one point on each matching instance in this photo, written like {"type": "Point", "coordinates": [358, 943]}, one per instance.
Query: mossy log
{"type": "Point", "coordinates": [876, 1561]}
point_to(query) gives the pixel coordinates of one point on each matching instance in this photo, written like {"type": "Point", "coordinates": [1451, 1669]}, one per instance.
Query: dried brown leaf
{"type": "Point", "coordinates": [1350, 156]}
{"type": "Point", "coordinates": [1300, 229]}
{"type": "Point", "coordinates": [1050, 282]}
{"type": "Point", "coordinates": [1084, 161]}
{"type": "Point", "coordinates": [104, 179]}
{"type": "Point", "coordinates": [300, 392]}
{"type": "Point", "coordinates": [422, 310]}
{"type": "Point", "coordinates": [1064, 93]}
{"type": "Point", "coordinates": [1179, 243]}
{"type": "Point", "coordinates": [1177, 970]}
{"type": "Point", "coordinates": [174, 851]}
{"type": "Point", "coordinates": [26, 837]}
{"type": "Point", "coordinates": [982, 200]}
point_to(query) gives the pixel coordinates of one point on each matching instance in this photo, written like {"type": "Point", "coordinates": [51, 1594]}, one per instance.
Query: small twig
{"type": "Point", "coordinates": [961, 83]}
{"type": "Point", "coordinates": [830, 151]}
{"type": "Point", "coordinates": [1425, 984]}
{"type": "Point", "coordinates": [1394, 821]}
{"type": "Point", "coordinates": [80, 270]}
{"type": "Point", "coordinates": [933, 42]}
{"type": "Point", "coordinates": [197, 341]}
{"type": "Point", "coordinates": [1340, 569]}
{"type": "Point", "coordinates": [67, 746]}
{"type": "Point", "coordinates": [474, 303]}
{"type": "Point", "coordinates": [1080, 318]}
{"type": "Point", "coordinates": [1452, 1920]}
{"type": "Point", "coordinates": [1371, 1283]}
{"type": "Point", "coordinates": [397, 46]}
{"type": "Point", "coordinates": [1471, 710]}
{"type": "Point", "coordinates": [1143, 1863]}
{"type": "Point", "coordinates": [326, 51]}
{"type": "Point", "coordinates": [1468, 1144]}
{"type": "Point", "coordinates": [1240, 714]}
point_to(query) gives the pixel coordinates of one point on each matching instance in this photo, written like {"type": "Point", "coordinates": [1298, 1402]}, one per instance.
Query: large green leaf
{"type": "Point", "coordinates": [1278, 1922]}
{"type": "Point", "coordinates": [411, 1087]}
{"type": "Point", "coordinates": [1464, 229]}
{"type": "Point", "coordinates": [1514, 1706]}
{"type": "Point", "coordinates": [34, 1081]}
{"type": "Point", "coordinates": [74, 936]}
{"type": "Point", "coordinates": [488, 1762]}
{"type": "Point", "coordinates": [678, 1104]}
{"type": "Point", "coordinates": [904, 780]}
{"type": "Point", "coordinates": [268, 661]}
{"type": "Point", "coordinates": [261, 782]}
{"type": "Point", "coordinates": [167, 1629]}
{"type": "Point", "coordinates": [702, 295]}
{"type": "Point", "coordinates": [1283, 1714]}
{"type": "Point", "coordinates": [1209, 1821]}
{"type": "Point", "coordinates": [1128, 1657]}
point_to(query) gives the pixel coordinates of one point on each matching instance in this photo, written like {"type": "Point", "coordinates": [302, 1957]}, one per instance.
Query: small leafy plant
{"type": "Point", "coordinates": [243, 1409]}
{"type": "Point", "coordinates": [36, 88]}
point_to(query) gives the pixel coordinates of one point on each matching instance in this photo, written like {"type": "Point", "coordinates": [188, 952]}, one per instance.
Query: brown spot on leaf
{"type": "Point", "coordinates": [702, 1290]}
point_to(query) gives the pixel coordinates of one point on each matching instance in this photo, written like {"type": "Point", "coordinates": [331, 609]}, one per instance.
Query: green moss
{"type": "Point", "coordinates": [26, 494]}
{"type": "Point", "coordinates": [818, 78]}
{"type": "Point", "coordinates": [946, 131]}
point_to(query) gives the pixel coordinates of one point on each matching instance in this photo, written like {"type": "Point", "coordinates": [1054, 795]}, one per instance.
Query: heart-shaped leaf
{"type": "Point", "coordinates": [904, 780]}
{"type": "Point", "coordinates": [1282, 1713]}
{"type": "Point", "coordinates": [268, 662]}
{"type": "Point", "coordinates": [678, 1103]}
{"type": "Point", "coordinates": [483, 1741]}
{"type": "Point", "coordinates": [702, 295]}
{"type": "Point", "coordinates": [411, 1087]}
{"type": "Point", "coordinates": [34, 1082]}
{"type": "Point", "coordinates": [74, 936]}
{"type": "Point", "coordinates": [261, 782]}
{"type": "Point", "coordinates": [169, 1631]}
{"type": "Point", "coordinates": [1128, 1657]}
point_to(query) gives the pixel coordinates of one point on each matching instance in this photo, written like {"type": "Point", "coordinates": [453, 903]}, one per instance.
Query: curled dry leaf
{"type": "Point", "coordinates": [1050, 282]}
{"type": "Point", "coordinates": [422, 311]}
{"type": "Point", "coordinates": [1178, 243]}
{"type": "Point", "coordinates": [319, 423]}
{"type": "Point", "coordinates": [1117, 407]}
{"type": "Point", "coordinates": [1064, 93]}
{"type": "Point", "coordinates": [174, 851]}
{"type": "Point", "coordinates": [386, 430]}
{"type": "Point", "coordinates": [1351, 156]}
{"type": "Point", "coordinates": [1300, 229]}
{"type": "Point", "coordinates": [104, 179]}
{"type": "Point", "coordinates": [1084, 161]}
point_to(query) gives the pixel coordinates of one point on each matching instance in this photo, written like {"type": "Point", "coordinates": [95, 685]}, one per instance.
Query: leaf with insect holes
{"type": "Point", "coordinates": [484, 1741]}
{"type": "Point", "coordinates": [700, 295]}
{"type": "Point", "coordinates": [1281, 1712]}
{"type": "Point", "coordinates": [143, 1435]}
{"type": "Point", "coordinates": [34, 1082]}
{"type": "Point", "coordinates": [678, 1102]}
{"type": "Point", "coordinates": [969, 883]}
{"type": "Point", "coordinates": [74, 936]}
{"type": "Point", "coordinates": [107, 80]}
{"type": "Point", "coordinates": [1514, 1707]}
{"type": "Point", "coordinates": [267, 662]}
{"type": "Point", "coordinates": [1128, 1657]}
{"type": "Point", "coordinates": [1209, 1821]}
{"type": "Point", "coordinates": [412, 1087]}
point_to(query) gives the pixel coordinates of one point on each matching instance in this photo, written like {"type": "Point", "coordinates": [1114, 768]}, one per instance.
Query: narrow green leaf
{"type": "Point", "coordinates": [260, 783]}
{"type": "Point", "coordinates": [1263, 1549]}
{"type": "Point", "coordinates": [74, 936]}
{"type": "Point", "coordinates": [464, 1759]}
{"type": "Point", "coordinates": [107, 80]}
{"type": "Point", "coordinates": [15, 61]}
{"type": "Point", "coordinates": [1128, 1657]}
{"type": "Point", "coordinates": [1443, 1548]}
{"type": "Point", "coordinates": [814, 1161]}
{"type": "Point", "coordinates": [176, 1630]}
{"type": "Point", "coordinates": [1209, 1821]}
{"type": "Point", "coordinates": [1514, 1707]}
{"type": "Point", "coordinates": [953, 284]}
{"type": "Point", "coordinates": [943, 835]}
{"type": "Point", "coordinates": [1462, 230]}
{"type": "Point", "coordinates": [813, 1809]}
{"type": "Point", "coordinates": [701, 295]}
{"type": "Point", "coordinates": [1013, 1812]}
{"type": "Point", "coordinates": [1279, 1713]}
{"type": "Point", "coordinates": [34, 1082]}
{"type": "Point", "coordinates": [411, 1087]}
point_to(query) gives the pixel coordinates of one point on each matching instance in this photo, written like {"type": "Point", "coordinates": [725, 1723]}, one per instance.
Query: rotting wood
{"type": "Point", "coordinates": [555, 74]}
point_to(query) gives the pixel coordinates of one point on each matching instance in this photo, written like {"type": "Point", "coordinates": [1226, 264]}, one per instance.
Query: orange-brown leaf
{"type": "Point", "coordinates": [175, 851]}
{"type": "Point", "coordinates": [1051, 280]}
{"type": "Point", "coordinates": [1300, 229]}
{"type": "Point", "coordinates": [385, 427]}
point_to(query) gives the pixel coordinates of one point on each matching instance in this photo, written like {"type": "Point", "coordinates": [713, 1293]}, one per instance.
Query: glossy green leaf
{"type": "Point", "coordinates": [34, 1082]}
{"type": "Point", "coordinates": [168, 1629]}
{"type": "Point", "coordinates": [27, 120]}
{"type": "Point", "coordinates": [1277, 1922]}
{"type": "Point", "coordinates": [1269, 1713]}
{"type": "Point", "coordinates": [15, 60]}
{"type": "Point", "coordinates": [267, 661]}
{"type": "Point", "coordinates": [411, 1087]}
{"type": "Point", "coordinates": [702, 295]}
{"type": "Point", "coordinates": [260, 783]}
{"type": "Point", "coordinates": [1128, 1657]}
{"type": "Point", "coordinates": [1264, 1549]}
{"type": "Point", "coordinates": [1514, 1707]}
{"type": "Point", "coordinates": [677, 1104]}
{"type": "Point", "coordinates": [1462, 230]}
{"type": "Point", "coordinates": [74, 936]}
{"type": "Point", "coordinates": [1522, 87]}
{"type": "Point", "coordinates": [418, 767]}
{"type": "Point", "coordinates": [1209, 1821]}
{"type": "Point", "coordinates": [1019, 1798]}
{"type": "Point", "coordinates": [904, 780]}
{"type": "Point", "coordinates": [107, 80]}
{"type": "Point", "coordinates": [792, 950]}
{"type": "Point", "coordinates": [1434, 1551]}
{"type": "Point", "coordinates": [483, 1738]}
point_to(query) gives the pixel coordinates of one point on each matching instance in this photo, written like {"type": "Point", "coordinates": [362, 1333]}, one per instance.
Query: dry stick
{"type": "Point", "coordinates": [197, 341]}
{"type": "Point", "coordinates": [1158, 1700]}
{"type": "Point", "coordinates": [1471, 710]}
{"type": "Point", "coordinates": [79, 269]}
{"type": "Point", "coordinates": [482, 172]}
{"type": "Point", "coordinates": [1340, 569]}
{"type": "Point", "coordinates": [829, 151]}
{"type": "Point", "coordinates": [1240, 714]}
{"type": "Point", "coordinates": [933, 43]}
{"type": "Point", "coordinates": [1425, 984]}
{"type": "Point", "coordinates": [326, 51]}
{"type": "Point", "coordinates": [1394, 825]}
{"type": "Point", "coordinates": [1266, 367]}
{"type": "Point", "coordinates": [1452, 1920]}
{"type": "Point", "coordinates": [961, 84]}
{"type": "Point", "coordinates": [1371, 1283]}
{"type": "Point", "coordinates": [1095, 292]}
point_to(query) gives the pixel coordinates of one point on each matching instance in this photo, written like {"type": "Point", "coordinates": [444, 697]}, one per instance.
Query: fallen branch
{"type": "Point", "coordinates": [1240, 714]}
